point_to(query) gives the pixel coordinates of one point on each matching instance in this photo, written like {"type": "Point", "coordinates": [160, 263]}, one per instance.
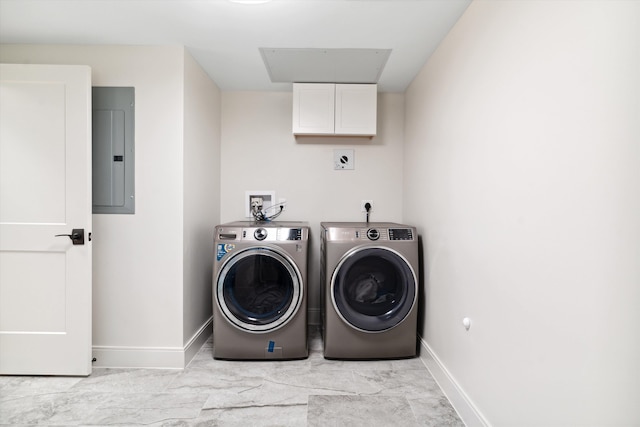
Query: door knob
{"type": "Point", "coordinates": [76, 236]}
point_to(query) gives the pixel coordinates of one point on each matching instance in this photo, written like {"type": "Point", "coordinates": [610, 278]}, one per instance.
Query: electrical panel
{"type": "Point", "coordinates": [113, 150]}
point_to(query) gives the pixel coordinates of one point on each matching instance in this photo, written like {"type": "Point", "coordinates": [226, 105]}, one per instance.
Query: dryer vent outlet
{"type": "Point", "coordinates": [343, 159]}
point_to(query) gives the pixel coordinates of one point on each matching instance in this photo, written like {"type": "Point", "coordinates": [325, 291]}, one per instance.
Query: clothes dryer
{"type": "Point", "coordinates": [260, 290]}
{"type": "Point", "coordinates": [369, 275]}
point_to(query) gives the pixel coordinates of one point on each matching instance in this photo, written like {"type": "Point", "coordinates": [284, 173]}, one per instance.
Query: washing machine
{"type": "Point", "coordinates": [369, 276]}
{"type": "Point", "coordinates": [260, 290]}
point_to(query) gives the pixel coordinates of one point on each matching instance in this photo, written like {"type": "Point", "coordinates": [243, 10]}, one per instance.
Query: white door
{"type": "Point", "coordinates": [45, 190]}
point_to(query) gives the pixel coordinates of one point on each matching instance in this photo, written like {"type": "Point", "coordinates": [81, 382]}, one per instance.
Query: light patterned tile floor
{"type": "Point", "coordinates": [310, 392]}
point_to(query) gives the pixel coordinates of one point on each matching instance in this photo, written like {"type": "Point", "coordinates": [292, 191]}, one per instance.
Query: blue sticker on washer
{"type": "Point", "coordinates": [223, 249]}
{"type": "Point", "coordinates": [272, 344]}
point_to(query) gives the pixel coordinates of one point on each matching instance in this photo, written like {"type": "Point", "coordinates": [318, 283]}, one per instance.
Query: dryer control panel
{"type": "Point", "coordinates": [385, 234]}
{"type": "Point", "coordinates": [400, 234]}
{"type": "Point", "coordinates": [372, 232]}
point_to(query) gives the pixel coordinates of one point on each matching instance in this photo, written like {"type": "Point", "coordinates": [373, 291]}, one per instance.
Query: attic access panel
{"type": "Point", "coordinates": [286, 65]}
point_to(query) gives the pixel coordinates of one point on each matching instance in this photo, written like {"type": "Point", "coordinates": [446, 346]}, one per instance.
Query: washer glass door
{"type": "Point", "coordinates": [373, 289]}
{"type": "Point", "coordinates": [259, 289]}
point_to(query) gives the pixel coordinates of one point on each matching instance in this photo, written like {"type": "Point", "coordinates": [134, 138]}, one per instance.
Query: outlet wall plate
{"type": "Point", "coordinates": [364, 202]}
{"type": "Point", "coordinates": [343, 159]}
{"type": "Point", "coordinates": [268, 199]}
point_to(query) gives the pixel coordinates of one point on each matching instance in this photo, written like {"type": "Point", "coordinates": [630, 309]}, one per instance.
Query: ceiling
{"type": "Point", "coordinates": [225, 38]}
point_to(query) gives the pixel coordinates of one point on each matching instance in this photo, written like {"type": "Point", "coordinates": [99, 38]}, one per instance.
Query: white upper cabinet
{"type": "Point", "coordinates": [313, 108]}
{"type": "Point", "coordinates": [334, 109]}
{"type": "Point", "coordinates": [356, 107]}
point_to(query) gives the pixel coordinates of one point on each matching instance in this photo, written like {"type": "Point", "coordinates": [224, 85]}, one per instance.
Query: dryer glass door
{"type": "Point", "coordinates": [259, 289]}
{"type": "Point", "coordinates": [373, 289]}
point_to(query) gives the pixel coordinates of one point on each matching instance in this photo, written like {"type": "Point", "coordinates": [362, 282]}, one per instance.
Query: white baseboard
{"type": "Point", "coordinates": [152, 357]}
{"type": "Point", "coordinates": [197, 340]}
{"type": "Point", "coordinates": [465, 407]}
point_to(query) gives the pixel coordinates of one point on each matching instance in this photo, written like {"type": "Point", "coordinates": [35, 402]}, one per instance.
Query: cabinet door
{"type": "Point", "coordinates": [356, 108]}
{"type": "Point", "coordinates": [313, 108]}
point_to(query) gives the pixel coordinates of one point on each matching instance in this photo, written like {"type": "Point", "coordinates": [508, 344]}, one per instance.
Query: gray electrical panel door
{"type": "Point", "coordinates": [113, 150]}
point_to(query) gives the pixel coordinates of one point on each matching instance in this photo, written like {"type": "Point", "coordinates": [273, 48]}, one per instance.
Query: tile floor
{"type": "Point", "coordinates": [310, 392]}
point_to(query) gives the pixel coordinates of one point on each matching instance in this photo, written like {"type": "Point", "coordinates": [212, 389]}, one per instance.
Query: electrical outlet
{"type": "Point", "coordinates": [363, 203]}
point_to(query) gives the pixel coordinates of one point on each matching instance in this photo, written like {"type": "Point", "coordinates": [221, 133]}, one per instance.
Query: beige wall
{"type": "Point", "coordinates": [259, 152]}
{"type": "Point", "coordinates": [201, 165]}
{"type": "Point", "coordinates": [145, 270]}
{"type": "Point", "coordinates": [522, 145]}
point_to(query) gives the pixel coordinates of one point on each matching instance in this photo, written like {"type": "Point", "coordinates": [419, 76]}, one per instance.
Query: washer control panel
{"type": "Point", "coordinates": [261, 233]}
{"type": "Point", "coordinates": [273, 234]}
